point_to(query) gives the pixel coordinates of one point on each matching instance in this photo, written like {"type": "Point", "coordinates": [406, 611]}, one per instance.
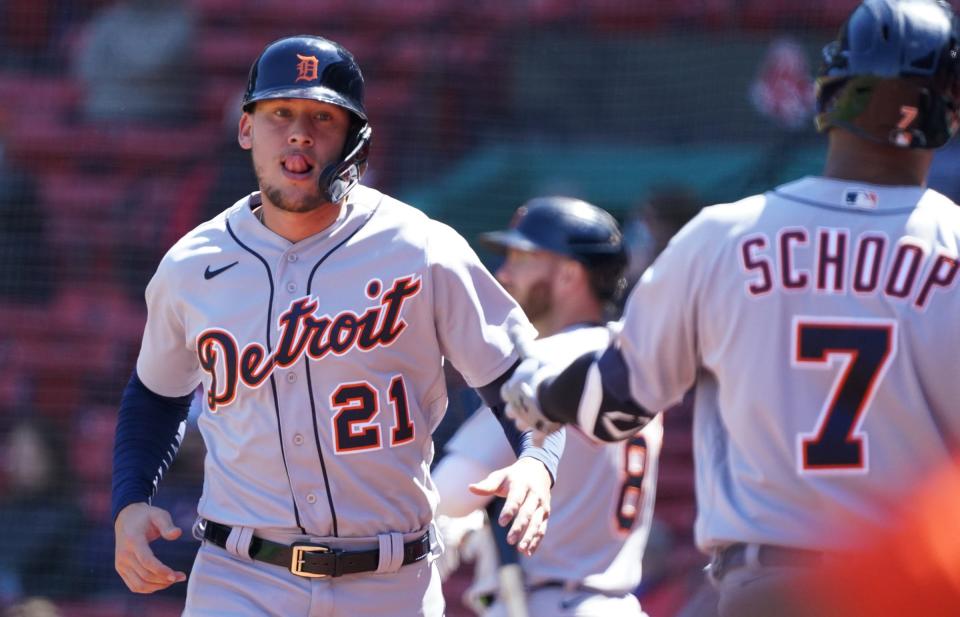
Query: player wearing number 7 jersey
{"type": "Point", "coordinates": [818, 322]}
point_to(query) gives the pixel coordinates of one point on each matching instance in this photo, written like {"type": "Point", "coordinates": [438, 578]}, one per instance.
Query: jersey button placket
{"type": "Point", "coordinates": [298, 439]}
{"type": "Point", "coordinates": [292, 287]}
{"type": "Point", "coordinates": [291, 377]}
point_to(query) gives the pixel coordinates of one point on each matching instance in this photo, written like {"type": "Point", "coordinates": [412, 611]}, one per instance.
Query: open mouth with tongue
{"type": "Point", "coordinates": [297, 166]}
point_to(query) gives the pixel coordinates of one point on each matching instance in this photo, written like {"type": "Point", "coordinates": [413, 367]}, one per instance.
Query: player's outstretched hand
{"type": "Point", "coordinates": [136, 527]}
{"type": "Point", "coordinates": [526, 487]}
{"type": "Point", "coordinates": [519, 393]}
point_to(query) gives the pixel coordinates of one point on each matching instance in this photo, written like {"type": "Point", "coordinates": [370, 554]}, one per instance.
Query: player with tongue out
{"type": "Point", "coordinates": [316, 314]}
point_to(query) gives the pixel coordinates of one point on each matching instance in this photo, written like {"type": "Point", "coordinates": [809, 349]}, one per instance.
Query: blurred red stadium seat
{"type": "Point", "coordinates": [77, 207]}
{"type": "Point", "coordinates": [50, 142]}
{"type": "Point", "coordinates": [267, 14]}
{"type": "Point", "coordinates": [677, 515]}
{"type": "Point", "coordinates": [785, 14]}
{"type": "Point", "coordinates": [618, 15]}
{"type": "Point", "coordinates": [54, 96]}
{"type": "Point", "coordinates": [229, 52]}
{"type": "Point", "coordinates": [70, 190]}
{"type": "Point", "coordinates": [92, 608]}
{"type": "Point", "coordinates": [409, 13]}
{"type": "Point", "coordinates": [678, 443]}
{"type": "Point", "coordinates": [122, 606]}
{"type": "Point", "coordinates": [832, 13]}
{"type": "Point", "coordinates": [675, 479]}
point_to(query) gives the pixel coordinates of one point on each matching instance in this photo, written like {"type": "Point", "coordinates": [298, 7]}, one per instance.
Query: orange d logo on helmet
{"type": "Point", "coordinates": [307, 68]}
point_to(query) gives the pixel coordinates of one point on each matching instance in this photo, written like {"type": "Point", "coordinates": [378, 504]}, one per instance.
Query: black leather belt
{"type": "Point", "coordinates": [735, 556]}
{"type": "Point", "coordinates": [316, 560]}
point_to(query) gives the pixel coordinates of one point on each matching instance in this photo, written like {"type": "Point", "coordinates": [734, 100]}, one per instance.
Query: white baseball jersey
{"type": "Point", "coordinates": [819, 322]}
{"type": "Point", "coordinates": [602, 502]}
{"type": "Point", "coordinates": [322, 361]}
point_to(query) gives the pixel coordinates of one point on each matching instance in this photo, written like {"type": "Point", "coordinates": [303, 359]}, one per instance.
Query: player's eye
{"type": "Point", "coordinates": [323, 116]}
{"type": "Point", "coordinates": [281, 112]}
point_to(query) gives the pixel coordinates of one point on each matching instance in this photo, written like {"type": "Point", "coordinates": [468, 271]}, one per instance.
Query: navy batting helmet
{"type": "Point", "coordinates": [573, 228]}
{"type": "Point", "coordinates": [892, 74]}
{"type": "Point", "coordinates": [314, 68]}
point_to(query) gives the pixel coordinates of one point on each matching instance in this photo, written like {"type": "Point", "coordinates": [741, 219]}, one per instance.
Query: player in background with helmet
{"type": "Point", "coordinates": [316, 313]}
{"type": "Point", "coordinates": [818, 321]}
{"type": "Point", "coordinates": [564, 264]}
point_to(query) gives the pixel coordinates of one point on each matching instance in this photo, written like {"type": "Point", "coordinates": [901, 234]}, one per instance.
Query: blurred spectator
{"type": "Point", "coordinates": [24, 31]}
{"type": "Point", "coordinates": [90, 452]}
{"type": "Point", "coordinates": [24, 255]}
{"type": "Point", "coordinates": [33, 607]}
{"type": "Point", "coordinates": [651, 225]}
{"type": "Point", "coordinates": [135, 63]}
{"type": "Point", "coordinates": [91, 455]}
{"type": "Point", "coordinates": [37, 513]}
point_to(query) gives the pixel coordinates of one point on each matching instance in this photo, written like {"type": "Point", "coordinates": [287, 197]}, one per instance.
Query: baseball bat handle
{"type": "Point", "coordinates": [512, 591]}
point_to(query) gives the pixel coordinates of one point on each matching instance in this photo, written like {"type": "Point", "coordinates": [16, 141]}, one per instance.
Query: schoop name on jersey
{"type": "Point", "coordinates": [839, 263]}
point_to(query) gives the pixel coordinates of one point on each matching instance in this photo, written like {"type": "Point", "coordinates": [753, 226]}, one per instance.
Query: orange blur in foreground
{"type": "Point", "coordinates": [912, 571]}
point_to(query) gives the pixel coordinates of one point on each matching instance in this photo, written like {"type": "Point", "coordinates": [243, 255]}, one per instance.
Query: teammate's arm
{"type": "Point", "coordinates": [526, 483]}
{"type": "Point", "coordinates": [149, 431]}
{"type": "Point", "coordinates": [592, 392]}
{"type": "Point", "coordinates": [522, 441]}
{"type": "Point", "coordinates": [651, 362]}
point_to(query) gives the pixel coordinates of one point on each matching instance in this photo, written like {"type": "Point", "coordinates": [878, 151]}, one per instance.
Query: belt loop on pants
{"type": "Point", "coordinates": [391, 552]}
{"type": "Point", "coordinates": [238, 542]}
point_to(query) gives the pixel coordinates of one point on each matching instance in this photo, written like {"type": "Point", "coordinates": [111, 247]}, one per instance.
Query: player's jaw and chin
{"type": "Point", "coordinates": [289, 196]}
{"type": "Point", "coordinates": [536, 299]}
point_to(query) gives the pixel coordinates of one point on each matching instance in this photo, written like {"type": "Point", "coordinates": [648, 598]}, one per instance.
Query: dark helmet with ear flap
{"type": "Point", "coordinates": [893, 74]}
{"type": "Point", "coordinates": [315, 68]}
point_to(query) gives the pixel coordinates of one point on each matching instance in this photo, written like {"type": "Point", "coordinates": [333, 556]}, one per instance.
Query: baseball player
{"type": "Point", "coordinates": [818, 321]}
{"type": "Point", "coordinates": [316, 313]}
{"type": "Point", "coordinates": [564, 264]}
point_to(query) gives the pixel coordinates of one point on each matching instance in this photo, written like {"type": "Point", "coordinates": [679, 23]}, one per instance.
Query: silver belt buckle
{"type": "Point", "coordinates": [297, 560]}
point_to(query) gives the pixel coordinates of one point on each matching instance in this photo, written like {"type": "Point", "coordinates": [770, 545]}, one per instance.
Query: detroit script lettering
{"type": "Point", "coordinates": [302, 332]}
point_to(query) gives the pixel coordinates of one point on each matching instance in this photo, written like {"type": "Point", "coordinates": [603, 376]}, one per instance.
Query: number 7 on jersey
{"type": "Point", "coordinates": [863, 348]}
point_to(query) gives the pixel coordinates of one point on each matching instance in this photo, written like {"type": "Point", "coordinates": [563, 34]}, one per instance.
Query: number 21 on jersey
{"type": "Point", "coordinates": [357, 405]}
{"type": "Point", "coordinates": [860, 351]}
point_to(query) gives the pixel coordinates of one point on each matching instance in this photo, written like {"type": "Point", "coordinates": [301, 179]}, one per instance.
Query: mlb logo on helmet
{"type": "Point", "coordinates": [861, 198]}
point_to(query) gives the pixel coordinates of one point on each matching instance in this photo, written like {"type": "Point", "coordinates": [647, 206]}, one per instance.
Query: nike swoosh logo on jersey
{"type": "Point", "coordinates": [209, 274]}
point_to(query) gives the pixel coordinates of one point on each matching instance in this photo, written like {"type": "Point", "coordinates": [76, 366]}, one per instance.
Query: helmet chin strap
{"type": "Point", "coordinates": [338, 179]}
